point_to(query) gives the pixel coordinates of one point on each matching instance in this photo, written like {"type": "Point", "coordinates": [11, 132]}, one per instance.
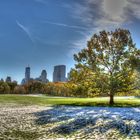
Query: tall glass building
{"type": "Point", "coordinates": [27, 74]}
{"type": "Point", "coordinates": [59, 74]}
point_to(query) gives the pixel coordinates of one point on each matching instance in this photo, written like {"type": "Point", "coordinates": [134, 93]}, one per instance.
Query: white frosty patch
{"type": "Point", "coordinates": [70, 122]}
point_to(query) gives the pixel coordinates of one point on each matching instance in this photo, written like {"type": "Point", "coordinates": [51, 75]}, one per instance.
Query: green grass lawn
{"type": "Point", "coordinates": [44, 100]}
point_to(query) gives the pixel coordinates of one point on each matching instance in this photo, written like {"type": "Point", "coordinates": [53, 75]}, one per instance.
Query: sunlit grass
{"type": "Point", "coordinates": [44, 100]}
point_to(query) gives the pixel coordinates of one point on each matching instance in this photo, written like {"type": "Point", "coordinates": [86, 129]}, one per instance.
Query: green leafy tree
{"type": "Point", "coordinates": [12, 86]}
{"type": "Point", "coordinates": [136, 78]}
{"type": "Point", "coordinates": [113, 57]}
{"type": "Point", "coordinates": [84, 78]}
{"type": "Point", "coordinates": [4, 88]}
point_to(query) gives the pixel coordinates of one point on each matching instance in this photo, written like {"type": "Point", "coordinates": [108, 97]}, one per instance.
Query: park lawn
{"type": "Point", "coordinates": [47, 101]}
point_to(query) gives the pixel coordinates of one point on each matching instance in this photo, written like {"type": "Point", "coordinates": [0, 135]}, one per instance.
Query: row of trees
{"type": "Point", "coordinates": [51, 89]}
{"type": "Point", "coordinates": [83, 88]}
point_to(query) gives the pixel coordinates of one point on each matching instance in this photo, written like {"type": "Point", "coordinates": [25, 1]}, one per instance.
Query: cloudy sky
{"type": "Point", "coordinates": [44, 33]}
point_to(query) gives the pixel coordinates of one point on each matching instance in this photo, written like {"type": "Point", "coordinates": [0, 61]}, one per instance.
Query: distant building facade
{"type": "Point", "coordinates": [59, 74]}
{"type": "Point", "coordinates": [23, 81]}
{"type": "Point", "coordinates": [1, 80]}
{"type": "Point", "coordinates": [27, 74]}
{"type": "Point", "coordinates": [8, 79]}
{"type": "Point", "coordinates": [43, 77]}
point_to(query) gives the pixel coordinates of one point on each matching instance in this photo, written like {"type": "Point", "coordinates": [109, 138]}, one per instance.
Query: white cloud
{"type": "Point", "coordinates": [104, 15]}
{"type": "Point", "coordinates": [66, 25]}
{"type": "Point", "coordinates": [26, 30]}
{"type": "Point", "coordinates": [134, 8]}
{"type": "Point", "coordinates": [79, 44]}
{"type": "Point", "coordinates": [114, 9]}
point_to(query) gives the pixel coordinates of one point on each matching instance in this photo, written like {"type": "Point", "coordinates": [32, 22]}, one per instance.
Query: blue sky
{"type": "Point", "coordinates": [44, 33]}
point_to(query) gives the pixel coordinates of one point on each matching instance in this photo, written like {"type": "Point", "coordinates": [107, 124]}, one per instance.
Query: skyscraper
{"type": "Point", "coordinates": [59, 74]}
{"type": "Point", "coordinates": [27, 74]}
{"type": "Point", "coordinates": [43, 76]}
{"type": "Point", "coordinates": [8, 79]}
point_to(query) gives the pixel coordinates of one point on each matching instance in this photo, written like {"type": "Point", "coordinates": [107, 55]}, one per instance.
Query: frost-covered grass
{"type": "Point", "coordinates": [33, 122]}
{"type": "Point", "coordinates": [44, 100]}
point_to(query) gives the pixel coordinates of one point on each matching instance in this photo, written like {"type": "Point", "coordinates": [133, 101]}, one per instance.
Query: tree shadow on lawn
{"type": "Point", "coordinates": [137, 97]}
{"type": "Point", "coordinates": [70, 119]}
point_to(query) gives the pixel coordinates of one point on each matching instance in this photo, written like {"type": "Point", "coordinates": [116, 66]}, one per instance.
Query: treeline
{"type": "Point", "coordinates": [84, 88]}
{"type": "Point", "coordinates": [35, 87]}
{"type": "Point", "coordinates": [67, 89]}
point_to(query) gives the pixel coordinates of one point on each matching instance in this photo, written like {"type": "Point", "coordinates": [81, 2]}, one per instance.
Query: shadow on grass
{"type": "Point", "coordinates": [102, 104]}
{"type": "Point", "coordinates": [70, 119]}
{"type": "Point", "coordinates": [137, 97]}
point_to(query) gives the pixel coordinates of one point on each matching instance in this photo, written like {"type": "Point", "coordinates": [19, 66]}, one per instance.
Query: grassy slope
{"type": "Point", "coordinates": [102, 101]}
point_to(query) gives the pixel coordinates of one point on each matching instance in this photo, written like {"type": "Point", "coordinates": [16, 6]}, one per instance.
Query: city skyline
{"type": "Point", "coordinates": [42, 77]}
{"type": "Point", "coordinates": [45, 33]}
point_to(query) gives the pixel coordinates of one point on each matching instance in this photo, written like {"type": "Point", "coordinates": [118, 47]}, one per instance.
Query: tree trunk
{"type": "Point", "coordinates": [111, 102]}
